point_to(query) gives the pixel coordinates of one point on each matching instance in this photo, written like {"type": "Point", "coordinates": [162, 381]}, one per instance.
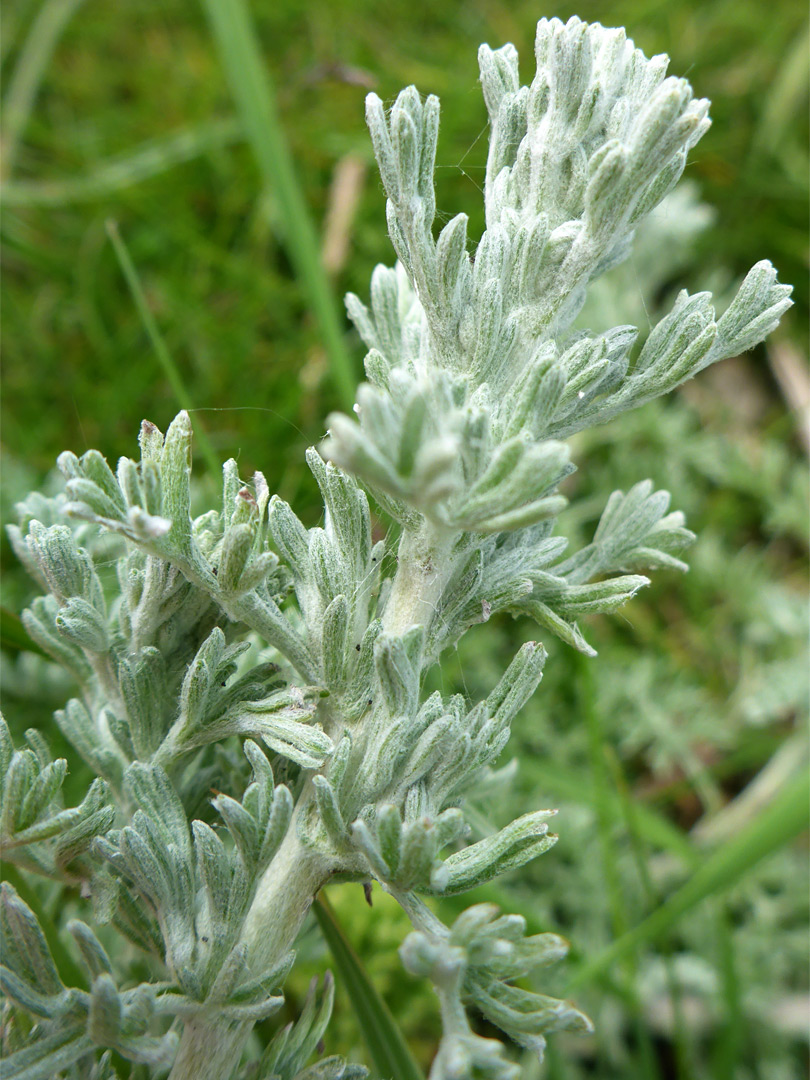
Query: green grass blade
{"type": "Point", "coordinates": [149, 159]}
{"type": "Point", "coordinates": [653, 899]}
{"type": "Point", "coordinates": [727, 1056]}
{"type": "Point", "coordinates": [389, 1052]}
{"type": "Point", "coordinates": [597, 746]}
{"type": "Point", "coordinates": [34, 58]}
{"type": "Point", "coordinates": [786, 817]}
{"type": "Point", "coordinates": [255, 98]}
{"type": "Point", "coordinates": [601, 801]}
{"type": "Point", "coordinates": [784, 101]}
{"type": "Point", "coordinates": [158, 343]}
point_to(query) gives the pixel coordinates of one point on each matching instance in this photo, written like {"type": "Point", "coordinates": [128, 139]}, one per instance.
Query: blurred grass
{"type": "Point", "coordinates": [128, 114]}
{"type": "Point", "coordinates": [181, 395]}
{"type": "Point", "coordinates": [235, 34]}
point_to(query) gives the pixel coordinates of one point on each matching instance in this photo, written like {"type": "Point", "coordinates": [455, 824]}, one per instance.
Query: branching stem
{"type": "Point", "coordinates": [285, 894]}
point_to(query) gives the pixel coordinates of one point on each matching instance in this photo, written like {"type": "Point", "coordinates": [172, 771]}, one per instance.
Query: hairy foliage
{"type": "Point", "coordinates": [284, 667]}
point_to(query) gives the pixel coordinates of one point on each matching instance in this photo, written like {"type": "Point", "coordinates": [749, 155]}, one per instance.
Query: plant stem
{"type": "Point", "coordinates": [211, 1051]}
{"type": "Point", "coordinates": [283, 898]}
{"type": "Point", "coordinates": [424, 566]}
{"type": "Point", "coordinates": [287, 889]}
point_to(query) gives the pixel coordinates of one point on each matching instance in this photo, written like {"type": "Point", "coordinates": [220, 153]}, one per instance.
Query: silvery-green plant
{"type": "Point", "coordinates": [283, 667]}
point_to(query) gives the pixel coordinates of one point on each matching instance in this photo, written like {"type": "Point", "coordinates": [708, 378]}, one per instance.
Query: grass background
{"type": "Point", "coordinates": [699, 692]}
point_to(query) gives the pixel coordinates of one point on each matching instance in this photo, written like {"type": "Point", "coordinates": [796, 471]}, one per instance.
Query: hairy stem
{"type": "Point", "coordinates": [283, 898]}
{"type": "Point", "coordinates": [424, 566]}
{"type": "Point", "coordinates": [211, 1051]}
{"type": "Point", "coordinates": [286, 891]}
{"type": "Point", "coordinates": [289, 885]}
